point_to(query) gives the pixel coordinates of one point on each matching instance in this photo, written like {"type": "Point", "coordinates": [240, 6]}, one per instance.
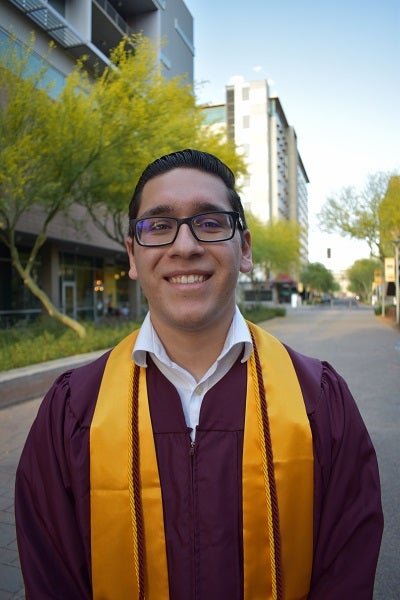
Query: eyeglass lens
{"type": "Point", "coordinates": [207, 227]}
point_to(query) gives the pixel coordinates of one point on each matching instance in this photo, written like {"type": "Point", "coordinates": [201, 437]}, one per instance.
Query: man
{"type": "Point", "coordinates": [200, 459]}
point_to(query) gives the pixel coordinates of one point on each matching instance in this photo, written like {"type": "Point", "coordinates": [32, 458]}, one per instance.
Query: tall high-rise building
{"type": "Point", "coordinates": [248, 126]}
{"type": "Point", "coordinates": [276, 184]}
{"type": "Point", "coordinates": [288, 196]}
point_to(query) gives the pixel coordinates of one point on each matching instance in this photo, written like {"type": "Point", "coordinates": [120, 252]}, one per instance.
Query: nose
{"type": "Point", "coordinates": [185, 242]}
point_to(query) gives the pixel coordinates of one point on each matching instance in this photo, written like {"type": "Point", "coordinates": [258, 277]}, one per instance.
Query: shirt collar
{"type": "Point", "coordinates": [148, 341]}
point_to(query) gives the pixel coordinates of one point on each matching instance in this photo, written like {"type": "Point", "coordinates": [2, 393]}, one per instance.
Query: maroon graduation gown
{"type": "Point", "coordinates": [201, 492]}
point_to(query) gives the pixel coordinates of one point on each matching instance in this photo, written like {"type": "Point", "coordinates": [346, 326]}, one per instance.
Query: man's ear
{"type": "Point", "coordinates": [132, 262]}
{"type": "Point", "coordinates": [246, 262]}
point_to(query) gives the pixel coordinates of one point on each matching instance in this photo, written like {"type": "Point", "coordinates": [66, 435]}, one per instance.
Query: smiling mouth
{"type": "Point", "coordinates": [187, 279]}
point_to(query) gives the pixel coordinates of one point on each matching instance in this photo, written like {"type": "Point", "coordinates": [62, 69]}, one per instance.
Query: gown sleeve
{"type": "Point", "coordinates": [348, 513]}
{"type": "Point", "coordinates": [52, 501]}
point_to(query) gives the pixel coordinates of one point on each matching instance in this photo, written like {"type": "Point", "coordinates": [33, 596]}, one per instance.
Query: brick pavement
{"type": "Point", "coordinates": [15, 422]}
{"type": "Point", "coordinates": [21, 391]}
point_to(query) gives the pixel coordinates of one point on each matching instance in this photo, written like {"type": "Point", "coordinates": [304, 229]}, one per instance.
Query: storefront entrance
{"type": "Point", "coordinates": [69, 298]}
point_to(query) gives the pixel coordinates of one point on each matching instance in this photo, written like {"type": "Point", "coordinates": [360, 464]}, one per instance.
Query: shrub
{"type": "Point", "coordinates": [45, 339]}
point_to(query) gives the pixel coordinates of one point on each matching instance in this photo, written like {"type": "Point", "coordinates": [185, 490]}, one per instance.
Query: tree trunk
{"type": "Point", "coordinates": [49, 306]}
{"type": "Point", "coordinates": [25, 274]}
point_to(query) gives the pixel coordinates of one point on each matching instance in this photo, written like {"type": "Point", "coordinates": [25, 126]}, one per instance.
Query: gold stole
{"type": "Point", "coordinates": [114, 538]}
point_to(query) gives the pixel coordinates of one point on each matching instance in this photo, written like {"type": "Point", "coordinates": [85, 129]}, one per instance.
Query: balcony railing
{"type": "Point", "coordinates": [51, 21]}
{"type": "Point", "coordinates": [114, 16]}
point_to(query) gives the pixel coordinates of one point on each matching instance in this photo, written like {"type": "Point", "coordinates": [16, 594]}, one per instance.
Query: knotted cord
{"type": "Point", "coordinates": [134, 482]}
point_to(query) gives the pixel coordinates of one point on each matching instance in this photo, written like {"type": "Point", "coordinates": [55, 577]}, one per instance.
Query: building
{"type": "Point", "coordinates": [248, 126]}
{"type": "Point", "coordinates": [288, 198]}
{"type": "Point", "coordinates": [94, 27]}
{"type": "Point", "coordinates": [83, 272]}
{"type": "Point", "coordinates": [276, 184]}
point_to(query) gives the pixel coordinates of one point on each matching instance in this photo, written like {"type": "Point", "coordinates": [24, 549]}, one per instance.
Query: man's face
{"type": "Point", "coordinates": [189, 285]}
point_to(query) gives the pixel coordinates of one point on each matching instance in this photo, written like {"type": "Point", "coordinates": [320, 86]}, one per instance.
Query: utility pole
{"type": "Point", "coordinates": [396, 244]}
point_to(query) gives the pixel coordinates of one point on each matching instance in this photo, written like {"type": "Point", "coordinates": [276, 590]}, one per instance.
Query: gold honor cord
{"type": "Point", "coordinates": [277, 471]}
{"type": "Point", "coordinates": [134, 481]}
{"type": "Point", "coordinates": [268, 470]}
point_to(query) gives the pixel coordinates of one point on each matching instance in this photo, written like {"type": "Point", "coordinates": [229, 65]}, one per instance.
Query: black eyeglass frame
{"type": "Point", "coordinates": [237, 221]}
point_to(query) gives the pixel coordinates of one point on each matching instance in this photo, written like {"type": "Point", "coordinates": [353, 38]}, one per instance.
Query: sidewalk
{"type": "Point", "coordinates": [21, 392]}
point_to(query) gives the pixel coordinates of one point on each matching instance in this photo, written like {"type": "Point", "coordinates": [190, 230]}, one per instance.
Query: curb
{"type": "Point", "coordinates": [27, 383]}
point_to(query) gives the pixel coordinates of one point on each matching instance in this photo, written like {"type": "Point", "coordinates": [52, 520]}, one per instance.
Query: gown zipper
{"type": "Point", "coordinates": [192, 450]}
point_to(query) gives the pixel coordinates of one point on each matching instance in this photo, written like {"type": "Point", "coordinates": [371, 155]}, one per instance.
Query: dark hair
{"type": "Point", "coordinates": [190, 159]}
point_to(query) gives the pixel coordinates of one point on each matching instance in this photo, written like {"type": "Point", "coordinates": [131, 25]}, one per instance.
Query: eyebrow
{"type": "Point", "coordinates": [169, 209]}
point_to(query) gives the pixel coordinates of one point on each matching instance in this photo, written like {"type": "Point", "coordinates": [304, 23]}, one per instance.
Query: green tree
{"type": "Point", "coordinates": [142, 115]}
{"type": "Point", "coordinates": [361, 277]}
{"type": "Point", "coordinates": [45, 147]}
{"type": "Point", "coordinates": [282, 247]}
{"type": "Point", "coordinates": [389, 215]}
{"type": "Point", "coordinates": [355, 213]}
{"type": "Point", "coordinates": [89, 145]}
{"type": "Point", "coordinates": [317, 279]}
{"type": "Point", "coordinates": [275, 245]}
{"type": "Point", "coordinates": [257, 230]}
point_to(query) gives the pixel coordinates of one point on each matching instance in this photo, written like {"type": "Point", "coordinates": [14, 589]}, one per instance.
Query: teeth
{"type": "Point", "coordinates": [188, 279]}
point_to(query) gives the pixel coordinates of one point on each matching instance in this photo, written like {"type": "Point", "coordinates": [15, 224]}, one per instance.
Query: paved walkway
{"type": "Point", "coordinates": [365, 350]}
{"type": "Point", "coordinates": [15, 422]}
{"type": "Point", "coordinates": [21, 391]}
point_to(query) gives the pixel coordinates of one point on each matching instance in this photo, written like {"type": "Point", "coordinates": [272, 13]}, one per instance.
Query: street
{"type": "Point", "coordinates": [364, 349]}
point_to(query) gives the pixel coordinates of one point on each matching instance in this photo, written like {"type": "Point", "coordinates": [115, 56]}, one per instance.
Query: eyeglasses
{"type": "Point", "coordinates": [215, 226]}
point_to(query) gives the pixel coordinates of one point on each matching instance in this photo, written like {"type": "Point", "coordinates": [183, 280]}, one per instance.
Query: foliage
{"type": "Point", "coordinates": [317, 278]}
{"type": "Point", "coordinates": [257, 314]}
{"type": "Point", "coordinates": [361, 277]}
{"type": "Point", "coordinates": [141, 115]}
{"type": "Point", "coordinates": [43, 150]}
{"type": "Point", "coordinates": [389, 215]}
{"type": "Point", "coordinates": [88, 146]}
{"type": "Point", "coordinates": [275, 245]}
{"type": "Point", "coordinates": [390, 312]}
{"type": "Point", "coordinates": [257, 230]}
{"type": "Point", "coordinates": [46, 339]}
{"type": "Point", "coordinates": [355, 213]}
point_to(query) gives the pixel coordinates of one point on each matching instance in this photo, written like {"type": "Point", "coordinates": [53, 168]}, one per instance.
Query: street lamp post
{"type": "Point", "coordinates": [396, 244]}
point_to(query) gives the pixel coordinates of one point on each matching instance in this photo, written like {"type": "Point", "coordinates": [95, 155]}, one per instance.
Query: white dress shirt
{"type": "Point", "coordinates": [191, 392]}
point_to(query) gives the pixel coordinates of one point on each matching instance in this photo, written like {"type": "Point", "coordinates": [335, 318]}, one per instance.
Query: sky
{"type": "Point", "coordinates": [336, 69]}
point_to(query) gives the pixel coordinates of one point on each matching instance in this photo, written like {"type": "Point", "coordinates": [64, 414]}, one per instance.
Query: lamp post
{"type": "Point", "coordinates": [396, 244]}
